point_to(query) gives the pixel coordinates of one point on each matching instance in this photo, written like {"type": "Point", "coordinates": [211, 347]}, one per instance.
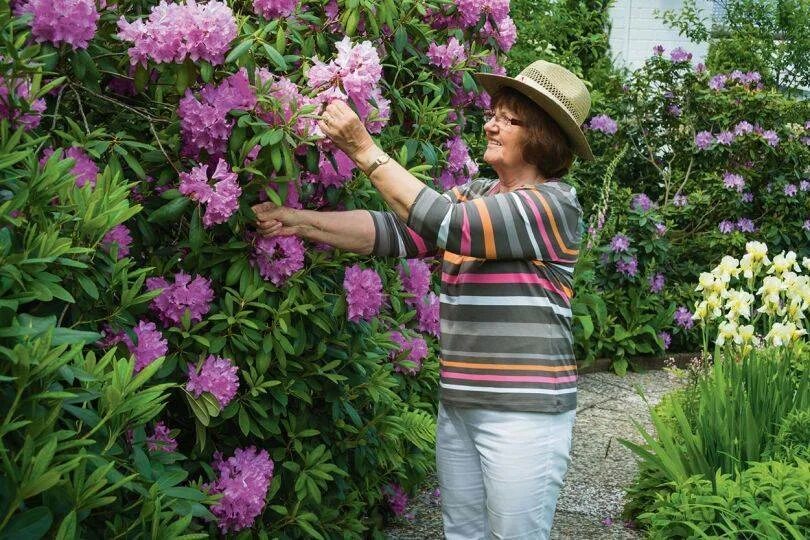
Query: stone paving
{"type": "Point", "coordinates": [600, 466]}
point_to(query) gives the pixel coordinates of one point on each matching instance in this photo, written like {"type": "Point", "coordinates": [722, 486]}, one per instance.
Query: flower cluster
{"type": "Point", "coordinates": [705, 139]}
{"type": "Point", "coordinates": [62, 21]}
{"type": "Point", "coordinates": [274, 9]}
{"type": "Point", "coordinates": [243, 482]}
{"type": "Point", "coordinates": [363, 293]}
{"type": "Point", "coordinates": [603, 123]}
{"type": "Point", "coordinates": [750, 80]}
{"type": "Point", "coordinates": [161, 440]}
{"type": "Point", "coordinates": [733, 181]}
{"type": "Point", "coordinates": [221, 199]}
{"type": "Point", "coordinates": [415, 275]}
{"type": "Point", "coordinates": [204, 122]}
{"type": "Point", "coordinates": [290, 100]}
{"type": "Point", "coordinates": [446, 56]}
{"type": "Point", "coordinates": [278, 257]}
{"type": "Point", "coordinates": [427, 314]}
{"type": "Point", "coordinates": [783, 292]}
{"type": "Point", "coordinates": [657, 282]}
{"type": "Point", "coordinates": [118, 236]}
{"type": "Point", "coordinates": [460, 166]}
{"type": "Point", "coordinates": [680, 55]}
{"type": "Point", "coordinates": [416, 349]}
{"type": "Point", "coordinates": [642, 203]}
{"type": "Point", "coordinates": [175, 32]}
{"type": "Point", "coordinates": [743, 224]}
{"type": "Point", "coordinates": [396, 497]}
{"type": "Point", "coordinates": [150, 344]}
{"type": "Point", "coordinates": [217, 376]}
{"type": "Point", "coordinates": [19, 90]}
{"type": "Point", "coordinates": [184, 294]}
{"type": "Point", "coordinates": [84, 169]}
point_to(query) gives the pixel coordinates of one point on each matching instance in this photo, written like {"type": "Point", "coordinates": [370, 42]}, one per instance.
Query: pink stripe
{"type": "Point", "coordinates": [506, 277]}
{"type": "Point", "coordinates": [508, 378]}
{"type": "Point", "coordinates": [540, 224]}
{"type": "Point", "coordinates": [419, 241]}
{"type": "Point", "coordinates": [465, 231]}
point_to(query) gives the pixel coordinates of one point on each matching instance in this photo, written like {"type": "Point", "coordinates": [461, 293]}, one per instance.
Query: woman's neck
{"type": "Point", "coordinates": [518, 177]}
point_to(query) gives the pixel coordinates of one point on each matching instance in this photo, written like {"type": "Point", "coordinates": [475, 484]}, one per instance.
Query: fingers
{"type": "Point", "coordinates": [269, 227]}
{"type": "Point", "coordinates": [263, 207]}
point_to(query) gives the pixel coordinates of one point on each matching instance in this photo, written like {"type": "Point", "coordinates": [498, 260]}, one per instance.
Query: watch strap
{"type": "Point", "coordinates": [381, 159]}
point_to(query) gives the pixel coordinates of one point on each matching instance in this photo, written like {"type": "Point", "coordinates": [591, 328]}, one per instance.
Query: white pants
{"type": "Point", "coordinates": [500, 473]}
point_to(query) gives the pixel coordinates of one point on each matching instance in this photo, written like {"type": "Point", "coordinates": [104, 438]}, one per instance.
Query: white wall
{"type": "Point", "coordinates": [636, 31]}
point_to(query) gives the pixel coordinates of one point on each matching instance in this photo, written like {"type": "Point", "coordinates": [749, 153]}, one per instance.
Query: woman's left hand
{"type": "Point", "coordinates": [340, 123]}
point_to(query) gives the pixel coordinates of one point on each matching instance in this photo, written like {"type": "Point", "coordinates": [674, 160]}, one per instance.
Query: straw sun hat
{"type": "Point", "coordinates": [557, 91]}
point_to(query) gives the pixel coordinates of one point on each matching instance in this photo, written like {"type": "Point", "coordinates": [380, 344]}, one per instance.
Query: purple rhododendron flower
{"type": "Point", "coordinates": [161, 440]}
{"type": "Point", "coordinates": [726, 226]}
{"type": "Point", "coordinates": [363, 293]}
{"type": "Point", "coordinates": [427, 314]}
{"type": "Point", "coordinates": [791, 190]}
{"type": "Point", "coordinates": [666, 338]}
{"type": "Point", "coordinates": [118, 235]}
{"type": "Point", "coordinates": [660, 229]}
{"type": "Point", "coordinates": [700, 67]}
{"type": "Point", "coordinates": [184, 294]}
{"type": "Point", "coordinates": [278, 257]}
{"type": "Point", "coordinates": [396, 497]}
{"type": "Point", "coordinates": [674, 110]}
{"type": "Point", "coordinates": [417, 352]}
{"type": "Point", "coordinates": [415, 275]}
{"type": "Point", "coordinates": [657, 283]}
{"type": "Point", "coordinates": [460, 166]}
{"type": "Point", "coordinates": [733, 181]}
{"type": "Point", "coordinates": [747, 197]}
{"type": "Point", "coordinates": [804, 185]}
{"type": "Point", "coordinates": [771, 137]}
{"type": "Point", "coordinates": [470, 11]}
{"type": "Point", "coordinates": [504, 33]}
{"type": "Point", "coordinates": [658, 50]}
{"type": "Point", "coordinates": [217, 376]}
{"type": "Point", "coordinates": [619, 244]}
{"type": "Point", "coordinates": [176, 32]}
{"type": "Point", "coordinates": [704, 139]}
{"type": "Point", "coordinates": [725, 137]}
{"type": "Point", "coordinates": [22, 90]}
{"type": "Point", "coordinates": [680, 200]}
{"type": "Point", "coordinates": [150, 345]}
{"type": "Point", "coordinates": [221, 199]}
{"type": "Point", "coordinates": [743, 128]}
{"type": "Point", "coordinates": [273, 9]}
{"type": "Point", "coordinates": [62, 21]}
{"type": "Point", "coordinates": [446, 56]}
{"type": "Point", "coordinates": [806, 225]}
{"type": "Point", "coordinates": [84, 169]}
{"type": "Point", "coordinates": [243, 482]}
{"type": "Point", "coordinates": [628, 268]}
{"type": "Point", "coordinates": [603, 123]}
{"type": "Point", "coordinates": [718, 82]}
{"type": "Point", "coordinates": [745, 224]}
{"type": "Point", "coordinates": [642, 203]}
{"type": "Point", "coordinates": [683, 318]}
{"type": "Point", "coordinates": [680, 55]}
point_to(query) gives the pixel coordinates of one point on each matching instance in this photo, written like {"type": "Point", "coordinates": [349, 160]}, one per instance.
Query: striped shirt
{"type": "Point", "coordinates": [507, 265]}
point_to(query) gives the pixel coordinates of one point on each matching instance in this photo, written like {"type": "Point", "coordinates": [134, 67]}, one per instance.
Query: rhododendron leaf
{"type": "Point", "coordinates": [206, 70]}
{"type": "Point", "coordinates": [199, 410]}
{"type": "Point", "coordinates": [281, 39]}
{"type": "Point", "coordinates": [211, 403]}
{"type": "Point", "coordinates": [244, 422]}
{"type": "Point", "coordinates": [275, 56]}
{"type": "Point", "coordinates": [30, 524]}
{"type": "Point", "coordinates": [271, 137]}
{"type": "Point", "coordinates": [276, 158]}
{"type": "Point", "coordinates": [352, 18]}
{"type": "Point", "coordinates": [239, 50]}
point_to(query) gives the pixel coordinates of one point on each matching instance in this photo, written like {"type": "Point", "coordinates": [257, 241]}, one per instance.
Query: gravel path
{"type": "Point", "coordinates": [600, 466]}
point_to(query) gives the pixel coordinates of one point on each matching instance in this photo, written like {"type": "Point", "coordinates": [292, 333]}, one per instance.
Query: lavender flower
{"type": "Point", "coordinates": [804, 185]}
{"type": "Point", "coordinates": [704, 139]}
{"type": "Point", "coordinates": [657, 283]}
{"type": "Point", "coordinates": [733, 181]}
{"type": "Point", "coordinates": [791, 190]}
{"type": "Point", "coordinates": [718, 82]}
{"type": "Point", "coordinates": [603, 123]}
{"type": "Point", "coordinates": [427, 314]}
{"type": "Point", "coordinates": [674, 110]}
{"type": "Point", "coordinates": [627, 267]}
{"type": "Point", "coordinates": [218, 376]}
{"type": "Point", "coordinates": [745, 224]}
{"type": "Point", "coordinates": [415, 275]}
{"type": "Point", "coordinates": [660, 229]}
{"type": "Point", "coordinates": [683, 318]}
{"type": "Point", "coordinates": [396, 497]}
{"type": "Point", "coordinates": [243, 481]}
{"type": "Point", "coordinates": [658, 50]}
{"type": "Point", "coordinates": [700, 67]}
{"type": "Point", "coordinates": [726, 226]}
{"type": "Point", "coordinates": [363, 293]}
{"type": "Point", "coordinates": [619, 244]}
{"type": "Point", "coordinates": [725, 137]}
{"type": "Point", "coordinates": [680, 200]}
{"type": "Point", "coordinates": [747, 197]}
{"type": "Point", "coordinates": [771, 137]}
{"type": "Point", "coordinates": [119, 236]}
{"type": "Point", "coordinates": [666, 338]}
{"type": "Point", "coordinates": [642, 203]}
{"type": "Point", "coordinates": [743, 128]}
{"type": "Point", "coordinates": [161, 440]}
{"type": "Point", "coordinates": [278, 257]}
{"type": "Point", "coordinates": [806, 225]}
{"type": "Point", "coordinates": [184, 294]}
{"type": "Point", "coordinates": [680, 55]}
{"type": "Point", "coordinates": [149, 347]}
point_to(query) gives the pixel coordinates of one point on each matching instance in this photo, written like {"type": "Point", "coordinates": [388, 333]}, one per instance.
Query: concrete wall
{"type": "Point", "coordinates": [636, 31]}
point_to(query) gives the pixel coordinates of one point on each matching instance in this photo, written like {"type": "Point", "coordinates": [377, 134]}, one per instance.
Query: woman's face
{"type": "Point", "coordinates": [504, 139]}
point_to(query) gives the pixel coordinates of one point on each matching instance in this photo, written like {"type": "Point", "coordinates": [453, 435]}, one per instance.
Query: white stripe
{"type": "Point", "coordinates": [505, 301]}
{"type": "Point", "coordinates": [403, 252]}
{"type": "Point", "coordinates": [519, 203]}
{"type": "Point", "coordinates": [507, 390]}
{"type": "Point", "coordinates": [568, 269]}
{"type": "Point", "coordinates": [444, 229]}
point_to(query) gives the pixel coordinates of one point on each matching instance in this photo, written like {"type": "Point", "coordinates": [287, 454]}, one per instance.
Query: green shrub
{"type": "Point", "coordinates": [793, 438]}
{"type": "Point", "coordinates": [769, 500]}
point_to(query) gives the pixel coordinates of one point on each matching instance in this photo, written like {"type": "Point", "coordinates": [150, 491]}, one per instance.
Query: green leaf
{"type": "Point", "coordinates": [198, 409]}
{"type": "Point", "coordinates": [170, 211]}
{"type": "Point", "coordinates": [87, 286]}
{"type": "Point", "coordinates": [275, 56]}
{"type": "Point", "coordinates": [239, 50]}
{"type": "Point", "coordinates": [244, 421]}
{"type": "Point", "coordinates": [63, 336]}
{"type": "Point", "coordinates": [29, 525]}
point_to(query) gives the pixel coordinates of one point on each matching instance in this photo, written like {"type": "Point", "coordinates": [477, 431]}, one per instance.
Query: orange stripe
{"type": "Point", "coordinates": [507, 366]}
{"type": "Point", "coordinates": [554, 226]}
{"type": "Point", "coordinates": [486, 223]}
{"type": "Point", "coordinates": [459, 196]}
{"type": "Point", "coordinates": [455, 258]}
{"type": "Point", "coordinates": [567, 290]}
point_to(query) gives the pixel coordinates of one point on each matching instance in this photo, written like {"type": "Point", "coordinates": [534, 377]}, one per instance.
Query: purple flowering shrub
{"type": "Point", "coordinates": [243, 380]}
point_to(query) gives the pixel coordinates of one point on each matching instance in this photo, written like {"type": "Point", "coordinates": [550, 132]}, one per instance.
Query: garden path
{"type": "Point", "coordinates": [600, 465]}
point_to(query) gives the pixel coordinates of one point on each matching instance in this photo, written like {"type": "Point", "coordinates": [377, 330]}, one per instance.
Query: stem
{"type": "Point", "coordinates": [81, 109]}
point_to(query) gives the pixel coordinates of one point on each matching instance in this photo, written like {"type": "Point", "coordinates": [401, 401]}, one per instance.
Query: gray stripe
{"type": "Point", "coordinates": [502, 329]}
{"type": "Point", "coordinates": [560, 217]}
{"type": "Point", "coordinates": [508, 224]}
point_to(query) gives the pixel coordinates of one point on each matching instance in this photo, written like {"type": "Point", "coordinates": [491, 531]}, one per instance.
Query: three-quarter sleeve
{"type": "Point", "coordinates": [393, 238]}
{"type": "Point", "coordinates": [536, 223]}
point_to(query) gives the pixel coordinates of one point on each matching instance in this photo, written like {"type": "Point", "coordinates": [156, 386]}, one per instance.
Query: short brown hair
{"type": "Point", "coordinates": [545, 145]}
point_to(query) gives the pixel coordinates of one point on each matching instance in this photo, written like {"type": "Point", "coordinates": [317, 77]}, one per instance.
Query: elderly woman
{"type": "Point", "coordinates": [508, 248]}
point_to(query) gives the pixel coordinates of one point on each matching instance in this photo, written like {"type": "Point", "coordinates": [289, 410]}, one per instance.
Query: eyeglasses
{"type": "Point", "coordinates": [503, 120]}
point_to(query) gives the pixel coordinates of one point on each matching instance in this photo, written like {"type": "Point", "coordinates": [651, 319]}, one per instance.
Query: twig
{"type": "Point", "coordinates": [120, 104]}
{"type": "Point", "coordinates": [81, 109]}
{"type": "Point", "coordinates": [160, 145]}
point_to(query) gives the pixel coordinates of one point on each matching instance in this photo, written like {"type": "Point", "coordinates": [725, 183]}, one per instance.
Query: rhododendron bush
{"type": "Point", "coordinates": [165, 370]}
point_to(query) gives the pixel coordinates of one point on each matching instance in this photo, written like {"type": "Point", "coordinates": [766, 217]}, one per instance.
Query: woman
{"type": "Point", "coordinates": [508, 373]}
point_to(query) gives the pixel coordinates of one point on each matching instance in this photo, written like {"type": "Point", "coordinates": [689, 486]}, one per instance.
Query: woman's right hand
{"type": "Point", "coordinates": [274, 220]}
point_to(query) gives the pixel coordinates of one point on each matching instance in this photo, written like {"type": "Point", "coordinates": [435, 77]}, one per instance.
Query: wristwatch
{"type": "Point", "coordinates": [381, 159]}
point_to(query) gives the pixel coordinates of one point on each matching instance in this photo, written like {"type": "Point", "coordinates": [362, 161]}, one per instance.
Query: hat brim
{"type": "Point", "coordinates": [579, 144]}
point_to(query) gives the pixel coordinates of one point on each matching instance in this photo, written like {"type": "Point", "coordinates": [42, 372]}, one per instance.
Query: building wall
{"type": "Point", "coordinates": [636, 31]}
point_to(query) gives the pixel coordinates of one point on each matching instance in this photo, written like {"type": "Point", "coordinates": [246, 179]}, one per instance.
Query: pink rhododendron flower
{"type": "Point", "coordinates": [679, 55]}
{"type": "Point", "coordinates": [243, 481]}
{"type": "Point", "coordinates": [727, 226]}
{"type": "Point", "coordinates": [619, 244]}
{"type": "Point", "coordinates": [733, 181]}
{"type": "Point", "coordinates": [446, 56]}
{"type": "Point", "coordinates": [417, 352]}
{"type": "Point", "coordinates": [460, 166]}
{"type": "Point", "coordinates": [603, 123]}
{"type": "Point", "coordinates": [627, 267]}
{"type": "Point", "coordinates": [657, 283]}
{"type": "Point", "coordinates": [771, 137]}
{"type": "Point", "coordinates": [221, 199]}
{"type": "Point", "coordinates": [724, 137]}
{"type": "Point", "coordinates": [184, 294]}
{"type": "Point", "coordinates": [149, 347]}
{"type": "Point", "coordinates": [161, 440]}
{"type": "Point", "coordinates": [84, 169]}
{"type": "Point", "coordinates": [742, 128]}
{"type": "Point", "coordinates": [217, 376]}
{"type": "Point", "coordinates": [118, 235]}
{"type": "Point", "coordinates": [745, 224]}
{"type": "Point", "coordinates": [175, 32]}
{"type": "Point", "coordinates": [278, 257]}
{"type": "Point", "coordinates": [274, 9]}
{"type": "Point", "coordinates": [683, 318]}
{"type": "Point", "coordinates": [363, 293]}
{"type": "Point", "coordinates": [290, 100]}
{"type": "Point", "coordinates": [704, 139]}
{"type": "Point", "coordinates": [427, 314]}
{"type": "Point", "coordinates": [396, 497]}
{"type": "Point", "coordinates": [504, 33]}
{"type": "Point", "coordinates": [416, 277]}
{"type": "Point", "coordinates": [62, 21]}
{"type": "Point", "coordinates": [20, 89]}
{"type": "Point", "coordinates": [110, 337]}
{"type": "Point", "coordinates": [642, 202]}
{"type": "Point", "coordinates": [470, 11]}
